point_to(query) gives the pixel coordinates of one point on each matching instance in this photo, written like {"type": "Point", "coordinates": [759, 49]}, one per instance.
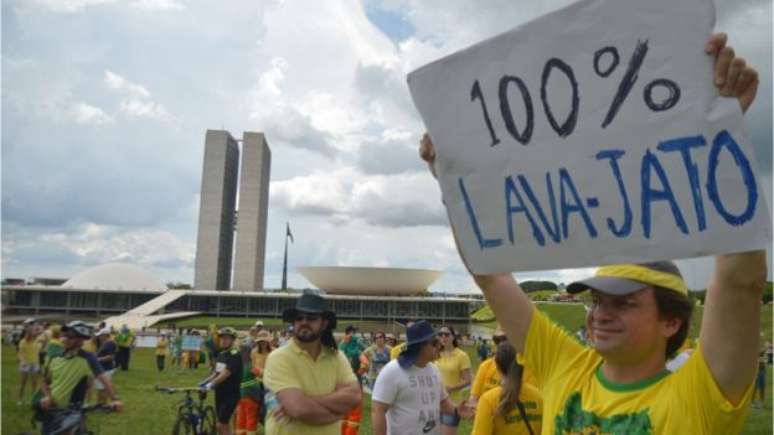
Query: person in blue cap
{"type": "Point", "coordinates": [409, 395]}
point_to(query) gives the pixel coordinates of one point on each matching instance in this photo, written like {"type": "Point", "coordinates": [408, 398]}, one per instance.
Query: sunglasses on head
{"type": "Point", "coordinates": [307, 317]}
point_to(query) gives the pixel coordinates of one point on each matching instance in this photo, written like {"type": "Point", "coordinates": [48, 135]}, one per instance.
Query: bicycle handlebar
{"type": "Point", "coordinates": [172, 390]}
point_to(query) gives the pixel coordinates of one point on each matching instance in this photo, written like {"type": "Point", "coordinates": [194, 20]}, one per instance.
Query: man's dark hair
{"type": "Point", "coordinates": [671, 305]}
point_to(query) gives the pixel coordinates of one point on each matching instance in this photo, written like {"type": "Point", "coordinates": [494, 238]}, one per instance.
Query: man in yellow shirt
{"type": "Point", "coordinates": [162, 349]}
{"type": "Point", "coordinates": [639, 316]}
{"type": "Point", "coordinates": [310, 383]}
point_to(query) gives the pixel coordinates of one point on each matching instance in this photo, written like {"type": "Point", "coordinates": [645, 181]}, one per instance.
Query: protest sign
{"type": "Point", "coordinates": [192, 342]}
{"type": "Point", "coordinates": [592, 135]}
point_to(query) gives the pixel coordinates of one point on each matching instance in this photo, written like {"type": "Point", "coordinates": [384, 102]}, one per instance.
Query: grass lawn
{"type": "Point", "coordinates": [148, 412]}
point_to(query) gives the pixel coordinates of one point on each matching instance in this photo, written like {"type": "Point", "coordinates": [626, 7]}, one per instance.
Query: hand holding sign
{"type": "Point", "coordinates": [600, 152]}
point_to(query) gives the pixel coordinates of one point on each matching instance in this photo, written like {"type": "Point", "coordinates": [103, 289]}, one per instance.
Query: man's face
{"type": "Point", "coordinates": [226, 341]}
{"type": "Point", "coordinates": [627, 328]}
{"type": "Point", "coordinates": [70, 340]}
{"type": "Point", "coordinates": [308, 327]}
{"type": "Point", "coordinates": [431, 350]}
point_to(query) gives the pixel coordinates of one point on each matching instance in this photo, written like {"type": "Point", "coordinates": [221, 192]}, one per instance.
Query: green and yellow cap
{"type": "Point", "coordinates": [624, 279]}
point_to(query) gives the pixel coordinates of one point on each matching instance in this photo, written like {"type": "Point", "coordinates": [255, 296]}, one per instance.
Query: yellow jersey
{"type": "Point", "coordinates": [488, 377]}
{"type": "Point", "coordinates": [488, 423]}
{"type": "Point", "coordinates": [578, 399]}
{"type": "Point", "coordinates": [161, 346]}
{"type": "Point", "coordinates": [451, 365]}
{"type": "Point", "coordinates": [28, 351]}
{"type": "Point", "coordinates": [395, 351]}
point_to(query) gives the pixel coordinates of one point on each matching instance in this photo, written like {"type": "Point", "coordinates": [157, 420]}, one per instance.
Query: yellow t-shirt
{"type": "Point", "coordinates": [451, 365]}
{"type": "Point", "coordinates": [258, 359]}
{"type": "Point", "coordinates": [395, 351]}
{"type": "Point", "coordinates": [488, 377]}
{"type": "Point", "coordinates": [89, 346]}
{"type": "Point", "coordinates": [487, 423]}
{"type": "Point", "coordinates": [291, 367]}
{"type": "Point", "coordinates": [161, 346]}
{"type": "Point", "coordinates": [28, 351]}
{"type": "Point", "coordinates": [578, 399]}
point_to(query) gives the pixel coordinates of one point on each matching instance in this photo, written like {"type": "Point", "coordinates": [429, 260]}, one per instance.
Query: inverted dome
{"type": "Point", "coordinates": [115, 276]}
{"type": "Point", "coordinates": [370, 280]}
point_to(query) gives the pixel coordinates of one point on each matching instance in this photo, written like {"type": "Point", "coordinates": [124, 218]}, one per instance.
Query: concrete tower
{"type": "Point", "coordinates": [253, 207]}
{"type": "Point", "coordinates": [215, 240]}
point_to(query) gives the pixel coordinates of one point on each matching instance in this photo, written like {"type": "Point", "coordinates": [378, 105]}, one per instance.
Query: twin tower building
{"type": "Point", "coordinates": [220, 219]}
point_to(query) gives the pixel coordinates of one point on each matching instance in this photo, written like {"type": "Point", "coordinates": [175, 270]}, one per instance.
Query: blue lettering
{"type": "Point", "coordinates": [552, 231]}
{"type": "Point", "coordinates": [565, 184]}
{"type": "Point", "coordinates": [482, 242]}
{"type": "Point", "coordinates": [724, 140]}
{"type": "Point", "coordinates": [512, 192]}
{"type": "Point", "coordinates": [684, 145]}
{"type": "Point", "coordinates": [626, 226]}
{"type": "Point", "coordinates": [649, 160]}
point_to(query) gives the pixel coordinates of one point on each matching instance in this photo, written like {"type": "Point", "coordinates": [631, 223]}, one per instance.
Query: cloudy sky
{"type": "Point", "coordinates": [105, 104]}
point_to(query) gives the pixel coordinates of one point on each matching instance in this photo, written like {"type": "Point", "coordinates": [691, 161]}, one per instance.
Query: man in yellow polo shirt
{"type": "Point", "coordinates": [310, 383]}
{"type": "Point", "coordinates": [639, 316]}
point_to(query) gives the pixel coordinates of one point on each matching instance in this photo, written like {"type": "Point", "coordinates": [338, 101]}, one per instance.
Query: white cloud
{"type": "Point", "coordinates": [119, 83]}
{"type": "Point", "coordinates": [70, 5]}
{"type": "Point", "coordinates": [158, 5]}
{"type": "Point", "coordinates": [83, 113]}
{"type": "Point", "coordinates": [144, 109]}
{"type": "Point", "coordinates": [137, 102]}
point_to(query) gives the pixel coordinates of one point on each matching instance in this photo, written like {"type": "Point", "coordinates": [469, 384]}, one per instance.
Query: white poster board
{"type": "Point", "coordinates": [592, 135]}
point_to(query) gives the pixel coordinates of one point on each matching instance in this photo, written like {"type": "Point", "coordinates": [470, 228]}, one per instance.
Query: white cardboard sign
{"type": "Point", "coordinates": [592, 135]}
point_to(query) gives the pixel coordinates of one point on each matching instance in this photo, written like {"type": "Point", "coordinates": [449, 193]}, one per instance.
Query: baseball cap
{"type": "Point", "coordinates": [624, 279]}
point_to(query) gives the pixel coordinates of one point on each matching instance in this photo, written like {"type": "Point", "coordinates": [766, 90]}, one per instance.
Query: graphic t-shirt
{"type": "Point", "coordinates": [488, 423]}
{"type": "Point", "coordinates": [578, 399]}
{"type": "Point", "coordinates": [451, 365]}
{"type": "Point", "coordinates": [414, 397]}
{"type": "Point", "coordinates": [229, 359]}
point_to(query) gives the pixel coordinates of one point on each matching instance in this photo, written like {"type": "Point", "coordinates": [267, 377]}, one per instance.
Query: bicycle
{"type": "Point", "coordinates": [192, 418]}
{"type": "Point", "coordinates": [71, 421]}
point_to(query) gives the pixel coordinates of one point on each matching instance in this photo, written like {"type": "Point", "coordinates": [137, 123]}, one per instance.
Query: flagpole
{"type": "Point", "coordinates": [285, 264]}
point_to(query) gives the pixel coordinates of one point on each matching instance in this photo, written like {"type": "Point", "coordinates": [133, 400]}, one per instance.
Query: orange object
{"type": "Point", "coordinates": [247, 413]}
{"type": "Point", "coordinates": [351, 423]}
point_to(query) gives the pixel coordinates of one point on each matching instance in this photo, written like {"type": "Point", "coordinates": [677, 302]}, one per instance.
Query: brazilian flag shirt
{"type": "Point", "coordinates": [577, 399]}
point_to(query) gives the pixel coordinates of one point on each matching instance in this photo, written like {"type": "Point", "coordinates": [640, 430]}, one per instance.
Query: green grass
{"type": "Point", "coordinates": [148, 412]}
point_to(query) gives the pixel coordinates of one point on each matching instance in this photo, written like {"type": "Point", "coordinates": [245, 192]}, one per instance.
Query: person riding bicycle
{"type": "Point", "coordinates": [66, 377]}
{"type": "Point", "coordinates": [225, 379]}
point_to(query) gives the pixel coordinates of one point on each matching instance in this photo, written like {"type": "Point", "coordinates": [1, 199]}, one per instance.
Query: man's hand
{"type": "Point", "coordinates": [733, 77]}
{"type": "Point", "coordinates": [427, 152]}
{"type": "Point", "coordinates": [466, 410]}
{"type": "Point", "coordinates": [46, 403]}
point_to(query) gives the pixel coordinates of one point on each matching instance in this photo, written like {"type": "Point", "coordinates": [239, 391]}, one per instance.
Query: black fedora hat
{"type": "Point", "coordinates": [311, 304]}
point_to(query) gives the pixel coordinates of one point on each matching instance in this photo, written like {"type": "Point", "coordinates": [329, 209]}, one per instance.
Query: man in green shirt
{"type": "Point", "coordinates": [125, 342]}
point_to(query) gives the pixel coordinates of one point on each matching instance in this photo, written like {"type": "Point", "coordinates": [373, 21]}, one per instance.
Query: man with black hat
{"type": "Point", "coordinates": [312, 381]}
{"type": "Point", "coordinates": [409, 395]}
{"type": "Point", "coordinates": [638, 317]}
{"type": "Point", "coordinates": [225, 379]}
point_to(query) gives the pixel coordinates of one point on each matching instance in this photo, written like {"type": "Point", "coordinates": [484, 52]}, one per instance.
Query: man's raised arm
{"type": "Point", "coordinates": [508, 301]}
{"type": "Point", "coordinates": [731, 324]}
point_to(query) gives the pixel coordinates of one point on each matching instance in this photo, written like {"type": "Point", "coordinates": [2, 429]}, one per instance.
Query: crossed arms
{"type": "Point", "coordinates": [319, 410]}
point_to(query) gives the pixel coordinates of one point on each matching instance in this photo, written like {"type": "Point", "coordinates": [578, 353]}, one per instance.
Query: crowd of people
{"type": "Point", "coordinates": [539, 379]}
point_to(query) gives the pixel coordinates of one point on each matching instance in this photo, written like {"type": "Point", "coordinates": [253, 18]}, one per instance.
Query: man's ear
{"type": "Point", "coordinates": [671, 326]}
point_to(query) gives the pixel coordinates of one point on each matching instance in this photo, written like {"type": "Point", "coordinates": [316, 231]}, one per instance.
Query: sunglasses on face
{"type": "Point", "coordinates": [307, 317]}
{"type": "Point", "coordinates": [379, 336]}
{"type": "Point", "coordinates": [444, 334]}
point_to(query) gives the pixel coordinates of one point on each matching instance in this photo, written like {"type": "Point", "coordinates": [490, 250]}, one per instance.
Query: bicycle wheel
{"type": "Point", "coordinates": [183, 426]}
{"type": "Point", "coordinates": [208, 422]}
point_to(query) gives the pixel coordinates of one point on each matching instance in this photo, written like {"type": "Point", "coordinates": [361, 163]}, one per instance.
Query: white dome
{"type": "Point", "coordinates": [115, 276]}
{"type": "Point", "coordinates": [370, 280]}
